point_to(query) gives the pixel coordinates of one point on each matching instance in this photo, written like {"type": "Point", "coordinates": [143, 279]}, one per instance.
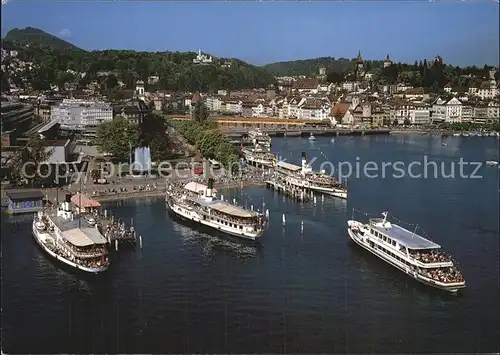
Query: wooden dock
{"type": "Point", "coordinates": [116, 231]}
{"type": "Point", "coordinates": [293, 192]}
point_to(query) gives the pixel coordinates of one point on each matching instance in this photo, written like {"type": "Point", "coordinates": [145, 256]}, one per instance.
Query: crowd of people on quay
{"type": "Point", "coordinates": [446, 275]}
{"type": "Point", "coordinates": [118, 190]}
{"type": "Point", "coordinates": [432, 256]}
{"type": "Point", "coordinates": [118, 231]}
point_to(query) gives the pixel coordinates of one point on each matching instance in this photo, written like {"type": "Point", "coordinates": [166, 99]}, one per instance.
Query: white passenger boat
{"type": "Point", "coordinates": [259, 152]}
{"type": "Point", "coordinates": [198, 203]}
{"type": "Point", "coordinates": [70, 239]}
{"type": "Point", "coordinates": [303, 177]}
{"type": "Point", "coordinates": [409, 252]}
{"type": "Point", "coordinates": [491, 162]}
{"type": "Point", "coordinates": [312, 137]}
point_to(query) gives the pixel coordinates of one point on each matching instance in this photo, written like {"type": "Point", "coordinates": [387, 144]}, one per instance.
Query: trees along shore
{"type": "Point", "coordinates": [203, 133]}
{"type": "Point", "coordinates": [117, 136]}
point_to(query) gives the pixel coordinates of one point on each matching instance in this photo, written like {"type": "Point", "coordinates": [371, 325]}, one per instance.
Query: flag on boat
{"type": "Point", "coordinates": [385, 214]}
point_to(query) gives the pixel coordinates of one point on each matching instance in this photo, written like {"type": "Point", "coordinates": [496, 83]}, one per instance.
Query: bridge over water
{"type": "Point", "coordinates": [304, 132]}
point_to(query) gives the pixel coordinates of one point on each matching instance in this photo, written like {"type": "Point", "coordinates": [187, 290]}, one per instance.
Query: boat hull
{"type": "Point", "coordinates": [453, 288]}
{"type": "Point", "coordinates": [195, 219]}
{"type": "Point", "coordinates": [331, 192]}
{"type": "Point", "coordinates": [37, 236]}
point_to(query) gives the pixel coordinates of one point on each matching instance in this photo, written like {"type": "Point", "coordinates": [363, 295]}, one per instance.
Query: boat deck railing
{"type": "Point", "coordinates": [374, 221]}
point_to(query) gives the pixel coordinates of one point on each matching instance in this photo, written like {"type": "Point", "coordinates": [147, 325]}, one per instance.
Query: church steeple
{"type": "Point", "coordinates": [359, 60]}
{"type": "Point", "coordinates": [387, 61]}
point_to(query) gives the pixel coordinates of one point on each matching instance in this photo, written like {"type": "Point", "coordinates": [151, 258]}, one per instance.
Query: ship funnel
{"type": "Point", "coordinates": [304, 160]}
{"type": "Point", "coordinates": [210, 187]}
{"type": "Point", "coordinates": [67, 200]}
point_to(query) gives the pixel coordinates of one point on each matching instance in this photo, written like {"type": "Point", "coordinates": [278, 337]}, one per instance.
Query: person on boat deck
{"type": "Point", "coordinates": [433, 256]}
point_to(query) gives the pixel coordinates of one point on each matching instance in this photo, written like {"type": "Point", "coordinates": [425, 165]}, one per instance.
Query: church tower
{"type": "Point", "coordinates": [387, 61]}
{"type": "Point", "coordinates": [139, 89]}
{"type": "Point", "coordinates": [360, 71]}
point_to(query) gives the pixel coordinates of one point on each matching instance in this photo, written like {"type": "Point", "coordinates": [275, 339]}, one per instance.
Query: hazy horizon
{"type": "Point", "coordinates": [462, 33]}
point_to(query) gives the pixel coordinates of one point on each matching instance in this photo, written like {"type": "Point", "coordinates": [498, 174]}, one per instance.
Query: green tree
{"type": "Point", "coordinates": [27, 162]}
{"type": "Point", "coordinates": [117, 137]}
{"type": "Point", "coordinates": [160, 150]}
{"type": "Point", "coordinates": [200, 112]}
{"type": "Point", "coordinates": [151, 106]}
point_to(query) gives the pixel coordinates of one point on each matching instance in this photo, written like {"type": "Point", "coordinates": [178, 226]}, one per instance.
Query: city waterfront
{"type": "Point", "coordinates": [300, 290]}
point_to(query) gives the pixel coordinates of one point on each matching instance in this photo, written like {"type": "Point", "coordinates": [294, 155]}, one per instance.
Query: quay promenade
{"type": "Point", "coordinates": [143, 188]}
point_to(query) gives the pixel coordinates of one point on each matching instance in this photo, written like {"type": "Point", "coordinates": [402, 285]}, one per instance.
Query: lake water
{"type": "Point", "coordinates": [309, 291]}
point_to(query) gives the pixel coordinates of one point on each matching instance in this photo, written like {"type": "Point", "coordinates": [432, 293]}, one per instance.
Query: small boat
{"type": "Point", "coordinates": [333, 140]}
{"type": "Point", "coordinates": [456, 134]}
{"type": "Point", "coordinates": [444, 144]}
{"type": "Point", "coordinates": [491, 162]}
{"type": "Point", "coordinates": [312, 137]}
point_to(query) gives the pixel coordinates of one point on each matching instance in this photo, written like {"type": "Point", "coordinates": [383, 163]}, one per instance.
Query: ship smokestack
{"type": "Point", "coordinates": [67, 200]}
{"type": "Point", "coordinates": [304, 160]}
{"type": "Point", "coordinates": [210, 187]}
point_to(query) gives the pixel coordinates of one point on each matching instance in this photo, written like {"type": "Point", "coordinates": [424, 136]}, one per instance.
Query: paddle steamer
{"type": "Point", "coordinates": [407, 251]}
{"type": "Point", "coordinates": [198, 203]}
{"type": "Point", "coordinates": [70, 239]}
{"type": "Point", "coordinates": [259, 152]}
{"type": "Point", "coordinates": [304, 177]}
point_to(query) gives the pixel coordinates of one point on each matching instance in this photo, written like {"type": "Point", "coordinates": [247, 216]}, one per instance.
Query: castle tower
{"type": "Point", "coordinates": [387, 61]}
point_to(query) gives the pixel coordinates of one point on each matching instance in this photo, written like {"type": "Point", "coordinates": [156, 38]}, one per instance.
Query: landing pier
{"type": "Point", "coordinates": [296, 193]}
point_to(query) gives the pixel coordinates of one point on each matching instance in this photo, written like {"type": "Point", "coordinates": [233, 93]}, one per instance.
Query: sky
{"type": "Point", "coordinates": [260, 32]}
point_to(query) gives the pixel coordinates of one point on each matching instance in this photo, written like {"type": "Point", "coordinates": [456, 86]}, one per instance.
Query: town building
{"type": "Point", "coordinates": [467, 113]}
{"type": "Point", "coordinates": [480, 113]}
{"type": "Point", "coordinates": [76, 114]}
{"type": "Point", "coordinates": [453, 111]}
{"type": "Point", "coordinates": [493, 111]}
{"type": "Point", "coordinates": [24, 201]}
{"type": "Point", "coordinates": [17, 119]}
{"type": "Point", "coordinates": [447, 111]}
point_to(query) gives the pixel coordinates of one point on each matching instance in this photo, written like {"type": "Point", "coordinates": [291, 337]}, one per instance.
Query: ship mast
{"type": "Point", "coordinates": [385, 214]}
{"type": "Point", "coordinates": [80, 203]}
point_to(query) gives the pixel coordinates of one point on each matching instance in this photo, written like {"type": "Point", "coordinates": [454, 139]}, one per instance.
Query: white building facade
{"type": "Point", "coordinates": [453, 111]}
{"type": "Point", "coordinates": [79, 114]}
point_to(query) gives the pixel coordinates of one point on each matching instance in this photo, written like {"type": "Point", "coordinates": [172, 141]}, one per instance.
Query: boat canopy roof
{"type": "Point", "coordinates": [405, 238]}
{"type": "Point", "coordinates": [84, 237]}
{"type": "Point", "coordinates": [82, 200]}
{"type": "Point", "coordinates": [288, 166]}
{"type": "Point", "coordinates": [224, 207]}
{"type": "Point", "coordinates": [232, 210]}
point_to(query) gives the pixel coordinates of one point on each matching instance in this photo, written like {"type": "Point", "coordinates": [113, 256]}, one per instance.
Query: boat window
{"type": "Point", "coordinates": [241, 227]}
